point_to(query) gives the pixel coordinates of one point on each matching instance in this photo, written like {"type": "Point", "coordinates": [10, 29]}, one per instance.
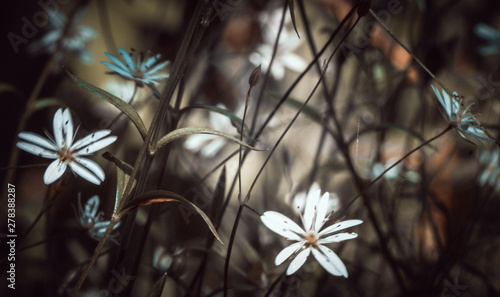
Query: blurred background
{"type": "Point", "coordinates": [436, 210]}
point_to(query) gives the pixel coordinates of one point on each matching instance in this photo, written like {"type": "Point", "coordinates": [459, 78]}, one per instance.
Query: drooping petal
{"type": "Point", "coordinates": [150, 62]}
{"type": "Point", "coordinates": [287, 252]}
{"type": "Point", "coordinates": [91, 206]}
{"type": "Point", "coordinates": [281, 225]}
{"type": "Point", "coordinates": [36, 150]}
{"type": "Point", "coordinates": [299, 260]}
{"type": "Point", "coordinates": [88, 169]}
{"type": "Point", "coordinates": [55, 170]}
{"type": "Point", "coordinates": [338, 237]}
{"type": "Point", "coordinates": [38, 140]}
{"type": "Point", "coordinates": [330, 261]}
{"type": "Point", "coordinates": [311, 207]}
{"type": "Point", "coordinates": [339, 226]}
{"type": "Point", "coordinates": [58, 128]}
{"type": "Point", "coordinates": [445, 102]}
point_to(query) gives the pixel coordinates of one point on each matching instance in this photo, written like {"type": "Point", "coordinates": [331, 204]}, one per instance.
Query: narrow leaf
{"type": "Point", "coordinates": [176, 134]}
{"type": "Point", "coordinates": [47, 102]}
{"type": "Point", "coordinates": [160, 196]}
{"type": "Point", "coordinates": [123, 172]}
{"type": "Point", "coordinates": [124, 107]}
{"type": "Point", "coordinates": [158, 289]}
{"type": "Point", "coordinates": [292, 15]}
{"type": "Point", "coordinates": [218, 198]}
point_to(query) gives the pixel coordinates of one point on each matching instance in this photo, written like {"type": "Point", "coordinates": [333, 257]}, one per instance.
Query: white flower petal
{"type": "Point", "coordinates": [38, 140]}
{"type": "Point", "coordinates": [197, 141]}
{"type": "Point", "coordinates": [36, 150]}
{"type": "Point", "coordinates": [88, 169]}
{"type": "Point", "coordinates": [337, 237]}
{"type": "Point", "coordinates": [94, 144]}
{"type": "Point", "coordinates": [330, 261]}
{"type": "Point", "coordinates": [311, 206]}
{"type": "Point", "coordinates": [287, 252]}
{"type": "Point", "coordinates": [55, 170]}
{"type": "Point", "coordinates": [298, 261]}
{"type": "Point", "coordinates": [321, 211]}
{"type": "Point", "coordinates": [281, 225]}
{"type": "Point", "coordinates": [67, 127]}
{"type": "Point", "coordinates": [294, 62]}
{"type": "Point", "coordinates": [58, 128]}
{"type": "Point", "coordinates": [339, 226]}
{"type": "Point", "coordinates": [89, 139]}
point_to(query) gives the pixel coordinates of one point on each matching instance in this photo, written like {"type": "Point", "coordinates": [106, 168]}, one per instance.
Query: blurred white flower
{"type": "Point", "coordinates": [141, 72]}
{"type": "Point", "coordinates": [64, 151]}
{"type": "Point", "coordinates": [491, 169]}
{"type": "Point", "coordinates": [300, 199]}
{"type": "Point", "coordinates": [75, 41]}
{"type": "Point", "coordinates": [461, 118]}
{"type": "Point", "coordinates": [91, 219]}
{"type": "Point", "coordinates": [311, 239]}
{"type": "Point", "coordinates": [210, 145]}
{"type": "Point", "coordinates": [491, 36]}
{"type": "Point", "coordinates": [287, 44]}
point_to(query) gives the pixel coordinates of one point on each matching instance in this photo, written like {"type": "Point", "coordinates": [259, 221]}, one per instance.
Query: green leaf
{"type": "Point", "coordinates": [47, 102]}
{"type": "Point", "coordinates": [158, 289]}
{"type": "Point", "coordinates": [176, 134]}
{"type": "Point", "coordinates": [236, 121]}
{"type": "Point", "coordinates": [308, 110]}
{"type": "Point", "coordinates": [124, 107]}
{"type": "Point", "coordinates": [218, 198]}
{"type": "Point", "coordinates": [123, 172]}
{"type": "Point", "coordinates": [7, 88]}
{"type": "Point", "coordinates": [159, 196]}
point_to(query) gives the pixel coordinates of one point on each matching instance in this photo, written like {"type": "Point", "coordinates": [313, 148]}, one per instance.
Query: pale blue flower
{"type": "Point", "coordinates": [76, 40]}
{"type": "Point", "coordinates": [460, 117]}
{"type": "Point", "coordinates": [311, 238]}
{"type": "Point", "coordinates": [142, 71]}
{"type": "Point", "coordinates": [91, 219]}
{"type": "Point", "coordinates": [490, 174]}
{"type": "Point", "coordinates": [65, 152]}
{"type": "Point", "coordinates": [491, 36]}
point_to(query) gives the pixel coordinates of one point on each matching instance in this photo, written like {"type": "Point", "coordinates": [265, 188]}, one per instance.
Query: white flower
{"type": "Point", "coordinates": [311, 239]}
{"type": "Point", "coordinates": [141, 72]}
{"type": "Point", "coordinates": [76, 41]}
{"type": "Point", "coordinates": [65, 152]}
{"type": "Point", "coordinates": [490, 169]}
{"type": "Point", "coordinates": [491, 36]}
{"type": "Point", "coordinates": [288, 42]}
{"type": "Point", "coordinates": [460, 117]}
{"type": "Point", "coordinates": [91, 219]}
